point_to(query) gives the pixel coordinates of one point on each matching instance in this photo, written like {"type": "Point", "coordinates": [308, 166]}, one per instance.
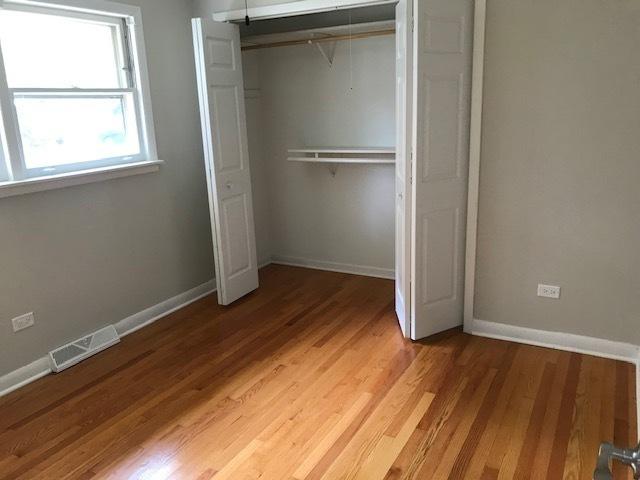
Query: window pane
{"type": "Point", "coordinates": [49, 51]}
{"type": "Point", "coordinates": [62, 130]}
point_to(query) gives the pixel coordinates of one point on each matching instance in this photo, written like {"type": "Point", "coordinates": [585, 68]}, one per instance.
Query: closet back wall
{"type": "Point", "coordinates": [346, 220]}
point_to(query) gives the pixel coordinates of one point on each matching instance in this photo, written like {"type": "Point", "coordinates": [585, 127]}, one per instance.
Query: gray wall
{"type": "Point", "coordinates": [559, 196]}
{"type": "Point", "coordinates": [87, 256]}
{"type": "Point", "coordinates": [256, 133]}
{"type": "Point", "coordinates": [349, 218]}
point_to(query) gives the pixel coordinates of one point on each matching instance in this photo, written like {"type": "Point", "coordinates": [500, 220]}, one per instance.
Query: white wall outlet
{"type": "Point", "coordinates": [23, 321]}
{"type": "Point", "coordinates": [548, 291]}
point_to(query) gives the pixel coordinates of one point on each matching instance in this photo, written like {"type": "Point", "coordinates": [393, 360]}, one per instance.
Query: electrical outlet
{"type": "Point", "coordinates": [23, 321]}
{"type": "Point", "coordinates": [548, 291]}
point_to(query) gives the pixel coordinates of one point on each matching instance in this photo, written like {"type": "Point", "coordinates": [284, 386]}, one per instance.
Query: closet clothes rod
{"type": "Point", "coordinates": [331, 38]}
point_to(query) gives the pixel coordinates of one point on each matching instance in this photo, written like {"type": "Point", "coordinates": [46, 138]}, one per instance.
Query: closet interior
{"type": "Point", "coordinates": [320, 104]}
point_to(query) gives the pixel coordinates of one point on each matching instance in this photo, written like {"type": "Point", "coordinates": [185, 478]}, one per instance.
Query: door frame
{"type": "Point", "coordinates": [475, 147]}
{"type": "Point", "coordinates": [405, 314]}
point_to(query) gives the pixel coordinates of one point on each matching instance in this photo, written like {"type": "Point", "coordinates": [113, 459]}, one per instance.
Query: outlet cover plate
{"type": "Point", "coordinates": [548, 291]}
{"type": "Point", "coordinates": [23, 321]}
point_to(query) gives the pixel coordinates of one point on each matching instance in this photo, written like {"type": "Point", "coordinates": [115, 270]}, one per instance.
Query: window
{"type": "Point", "coordinates": [73, 90]}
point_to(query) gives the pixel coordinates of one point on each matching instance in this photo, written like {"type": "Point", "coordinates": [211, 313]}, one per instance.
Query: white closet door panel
{"type": "Point", "coordinates": [403, 162]}
{"type": "Point", "coordinates": [443, 79]}
{"type": "Point", "coordinates": [224, 132]}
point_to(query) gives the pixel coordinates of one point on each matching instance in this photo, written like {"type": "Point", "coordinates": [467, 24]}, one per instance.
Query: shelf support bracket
{"type": "Point", "coordinates": [326, 49]}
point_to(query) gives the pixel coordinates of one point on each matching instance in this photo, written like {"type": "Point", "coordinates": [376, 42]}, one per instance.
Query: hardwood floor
{"type": "Point", "coordinates": [309, 378]}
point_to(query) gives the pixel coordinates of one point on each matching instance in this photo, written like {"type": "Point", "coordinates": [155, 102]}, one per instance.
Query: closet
{"type": "Point", "coordinates": [310, 123]}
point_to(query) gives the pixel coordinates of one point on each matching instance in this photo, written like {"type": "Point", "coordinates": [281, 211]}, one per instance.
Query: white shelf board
{"type": "Point", "coordinates": [335, 155]}
{"type": "Point", "coordinates": [342, 160]}
{"type": "Point", "coordinates": [350, 150]}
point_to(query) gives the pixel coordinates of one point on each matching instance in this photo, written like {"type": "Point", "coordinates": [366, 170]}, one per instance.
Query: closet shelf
{"type": "Point", "coordinates": [335, 155]}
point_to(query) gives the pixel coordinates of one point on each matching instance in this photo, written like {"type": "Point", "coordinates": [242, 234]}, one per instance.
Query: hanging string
{"type": "Point", "coordinates": [247, 22]}
{"type": "Point", "coordinates": [350, 56]}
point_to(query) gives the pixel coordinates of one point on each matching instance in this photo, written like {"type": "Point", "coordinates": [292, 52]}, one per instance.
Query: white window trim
{"type": "Point", "coordinates": [40, 184]}
{"type": "Point", "coordinates": [4, 168]}
{"type": "Point", "coordinates": [133, 16]}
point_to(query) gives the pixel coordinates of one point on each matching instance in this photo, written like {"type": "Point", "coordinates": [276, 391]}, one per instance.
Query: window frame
{"type": "Point", "coordinates": [4, 154]}
{"type": "Point", "coordinates": [128, 20]}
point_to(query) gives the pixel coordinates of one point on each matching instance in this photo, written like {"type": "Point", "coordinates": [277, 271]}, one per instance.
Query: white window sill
{"type": "Point", "coordinates": [31, 185]}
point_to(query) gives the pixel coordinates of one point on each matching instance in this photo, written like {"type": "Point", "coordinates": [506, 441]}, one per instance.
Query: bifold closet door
{"type": "Point", "coordinates": [404, 75]}
{"type": "Point", "coordinates": [442, 59]}
{"type": "Point", "coordinates": [224, 134]}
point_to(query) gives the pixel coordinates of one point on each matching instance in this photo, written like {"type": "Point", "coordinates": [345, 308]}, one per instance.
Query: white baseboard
{"type": "Point", "coordinates": [367, 271]}
{"type": "Point", "coordinates": [564, 341]}
{"type": "Point", "coordinates": [558, 340]}
{"type": "Point", "coordinates": [149, 315]}
{"type": "Point", "coordinates": [41, 367]}
{"type": "Point", "coordinates": [24, 375]}
{"type": "Point", "coordinates": [263, 264]}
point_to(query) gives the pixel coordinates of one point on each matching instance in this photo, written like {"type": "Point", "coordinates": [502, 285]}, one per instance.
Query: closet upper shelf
{"type": "Point", "coordinates": [364, 155]}
{"type": "Point", "coordinates": [319, 35]}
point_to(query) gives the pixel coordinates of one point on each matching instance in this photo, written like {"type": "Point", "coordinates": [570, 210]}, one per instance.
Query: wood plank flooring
{"type": "Point", "coordinates": [309, 378]}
